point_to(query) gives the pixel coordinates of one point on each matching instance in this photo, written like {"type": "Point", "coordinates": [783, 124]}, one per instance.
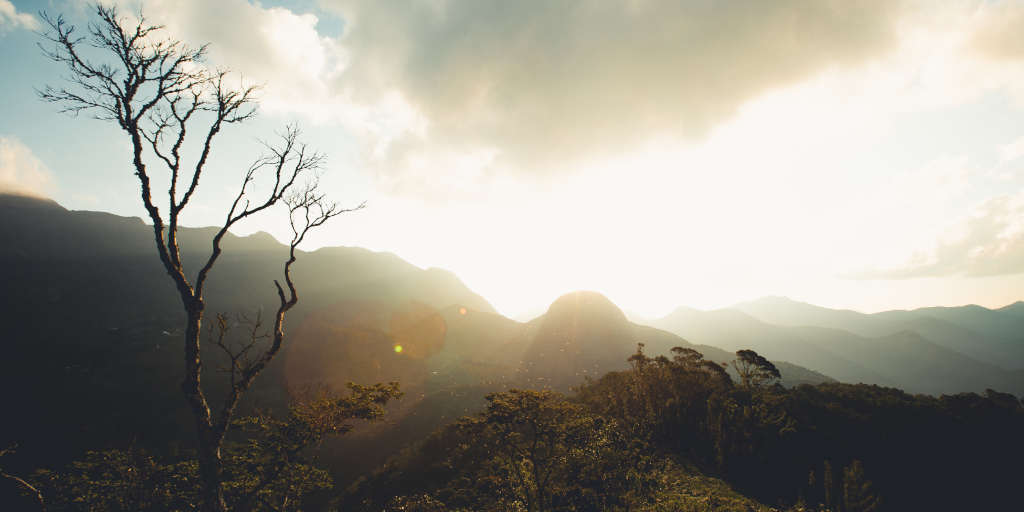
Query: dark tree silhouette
{"type": "Point", "coordinates": [754, 370]}
{"type": "Point", "coordinates": [25, 485]}
{"type": "Point", "coordinates": [858, 494]}
{"type": "Point", "coordinates": [158, 91]}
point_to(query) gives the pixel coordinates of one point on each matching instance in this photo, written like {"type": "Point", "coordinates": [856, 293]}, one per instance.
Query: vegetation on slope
{"type": "Point", "coordinates": [680, 434]}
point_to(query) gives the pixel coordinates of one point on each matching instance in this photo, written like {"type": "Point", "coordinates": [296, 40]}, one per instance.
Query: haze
{"type": "Point", "coordinates": [865, 155]}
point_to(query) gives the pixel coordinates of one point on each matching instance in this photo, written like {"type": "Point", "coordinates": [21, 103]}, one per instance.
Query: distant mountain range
{"type": "Point", "coordinates": [93, 335]}
{"type": "Point", "coordinates": [92, 323]}
{"type": "Point", "coordinates": [928, 350]}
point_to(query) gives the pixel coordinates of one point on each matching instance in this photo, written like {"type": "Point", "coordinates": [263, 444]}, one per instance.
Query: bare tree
{"type": "Point", "coordinates": [158, 91]}
{"type": "Point", "coordinates": [37, 495]}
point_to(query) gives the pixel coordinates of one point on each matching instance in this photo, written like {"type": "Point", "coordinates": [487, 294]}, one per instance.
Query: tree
{"type": "Point", "coordinates": [828, 482]}
{"type": "Point", "coordinates": [858, 492]}
{"type": "Point", "coordinates": [158, 91]}
{"type": "Point", "coordinates": [754, 370]}
{"type": "Point", "coordinates": [23, 484]}
{"type": "Point", "coordinates": [537, 447]}
{"type": "Point", "coordinates": [271, 457]}
{"type": "Point", "coordinates": [265, 468]}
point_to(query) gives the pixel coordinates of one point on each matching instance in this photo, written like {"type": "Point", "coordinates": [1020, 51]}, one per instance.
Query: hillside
{"type": "Point", "coordinates": [94, 322]}
{"type": "Point", "coordinates": [994, 336]}
{"type": "Point", "coordinates": [451, 357]}
{"type": "Point", "coordinates": [95, 329]}
{"type": "Point", "coordinates": [907, 358]}
{"type": "Point", "coordinates": [588, 335]}
{"type": "Point", "coordinates": [114, 354]}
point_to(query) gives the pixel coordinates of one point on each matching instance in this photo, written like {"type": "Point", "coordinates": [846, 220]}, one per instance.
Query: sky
{"type": "Point", "coordinates": [865, 155]}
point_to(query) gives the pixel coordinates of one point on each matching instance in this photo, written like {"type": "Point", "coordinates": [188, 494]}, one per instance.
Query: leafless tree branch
{"type": "Point", "coordinates": [159, 92]}
{"type": "Point", "coordinates": [21, 482]}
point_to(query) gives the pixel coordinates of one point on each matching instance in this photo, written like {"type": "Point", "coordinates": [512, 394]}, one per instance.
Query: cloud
{"type": "Point", "coordinates": [534, 85]}
{"type": "Point", "coordinates": [1012, 151]}
{"type": "Point", "coordinates": [21, 172]}
{"type": "Point", "coordinates": [442, 96]}
{"type": "Point", "coordinates": [10, 18]}
{"type": "Point", "coordinates": [274, 46]}
{"type": "Point", "coordinates": [988, 242]}
{"type": "Point", "coordinates": [999, 34]}
{"type": "Point", "coordinates": [543, 83]}
{"type": "Point", "coordinates": [297, 67]}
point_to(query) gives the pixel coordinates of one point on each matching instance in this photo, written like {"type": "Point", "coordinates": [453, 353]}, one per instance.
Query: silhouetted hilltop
{"type": "Point", "coordinates": [94, 320]}
{"type": "Point", "coordinates": [1017, 308]}
{"type": "Point", "coordinates": [922, 351]}
{"type": "Point", "coordinates": [992, 335]}
{"type": "Point", "coordinates": [581, 334]}
{"type": "Point", "coordinates": [94, 323]}
{"type": "Point", "coordinates": [13, 201]}
{"type": "Point", "coordinates": [584, 334]}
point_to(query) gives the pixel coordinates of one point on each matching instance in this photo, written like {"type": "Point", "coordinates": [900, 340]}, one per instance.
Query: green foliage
{"type": "Point", "coordinates": [417, 503]}
{"type": "Point", "coordinates": [689, 491]}
{"type": "Point", "coordinates": [669, 434]}
{"type": "Point", "coordinates": [754, 370]}
{"type": "Point", "coordinates": [268, 467]}
{"type": "Point", "coordinates": [691, 405]}
{"type": "Point", "coordinates": [120, 480]}
{"type": "Point", "coordinates": [644, 439]}
{"type": "Point", "coordinates": [266, 464]}
{"type": "Point", "coordinates": [529, 450]}
{"type": "Point", "coordinates": [538, 451]}
{"type": "Point", "coordinates": [130, 480]}
{"type": "Point", "coordinates": [858, 495]}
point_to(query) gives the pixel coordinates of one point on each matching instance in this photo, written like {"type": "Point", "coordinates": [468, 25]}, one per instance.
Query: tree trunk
{"type": "Point", "coordinates": [211, 467]}
{"type": "Point", "coordinates": [211, 472]}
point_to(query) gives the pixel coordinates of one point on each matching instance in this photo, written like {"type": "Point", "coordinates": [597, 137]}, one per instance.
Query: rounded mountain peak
{"type": "Point", "coordinates": [585, 304]}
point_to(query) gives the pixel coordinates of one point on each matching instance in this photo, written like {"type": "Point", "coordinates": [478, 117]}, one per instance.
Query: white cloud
{"type": "Point", "coordinates": [1012, 151]}
{"type": "Point", "coordinates": [546, 84]}
{"type": "Point", "coordinates": [272, 46]}
{"type": "Point", "coordinates": [21, 172]}
{"type": "Point", "coordinates": [10, 18]}
{"type": "Point", "coordinates": [299, 69]}
{"type": "Point", "coordinates": [536, 86]}
{"type": "Point", "coordinates": [999, 35]}
{"type": "Point", "coordinates": [719, 143]}
{"type": "Point", "coordinates": [987, 242]}
{"type": "Point", "coordinates": [548, 88]}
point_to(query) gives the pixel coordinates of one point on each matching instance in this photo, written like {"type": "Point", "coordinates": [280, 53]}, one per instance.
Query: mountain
{"type": "Point", "coordinates": [584, 333]}
{"type": "Point", "coordinates": [94, 341]}
{"type": "Point", "coordinates": [1002, 326]}
{"type": "Point", "coordinates": [912, 350]}
{"type": "Point", "coordinates": [93, 323]}
{"type": "Point", "coordinates": [733, 330]}
{"type": "Point", "coordinates": [1017, 308]}
{"type": "Point", "coordinates": [581, 335]}
{"type": "Point", "coordinates": [94, 345]}
{"type": "Point", "coordinates": [991, 336]}
{"type": "Point", "coordinates": [451, 357]}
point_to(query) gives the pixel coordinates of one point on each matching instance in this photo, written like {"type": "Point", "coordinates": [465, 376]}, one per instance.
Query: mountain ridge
{"type": "Point", "coordinates": [881, 348]}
